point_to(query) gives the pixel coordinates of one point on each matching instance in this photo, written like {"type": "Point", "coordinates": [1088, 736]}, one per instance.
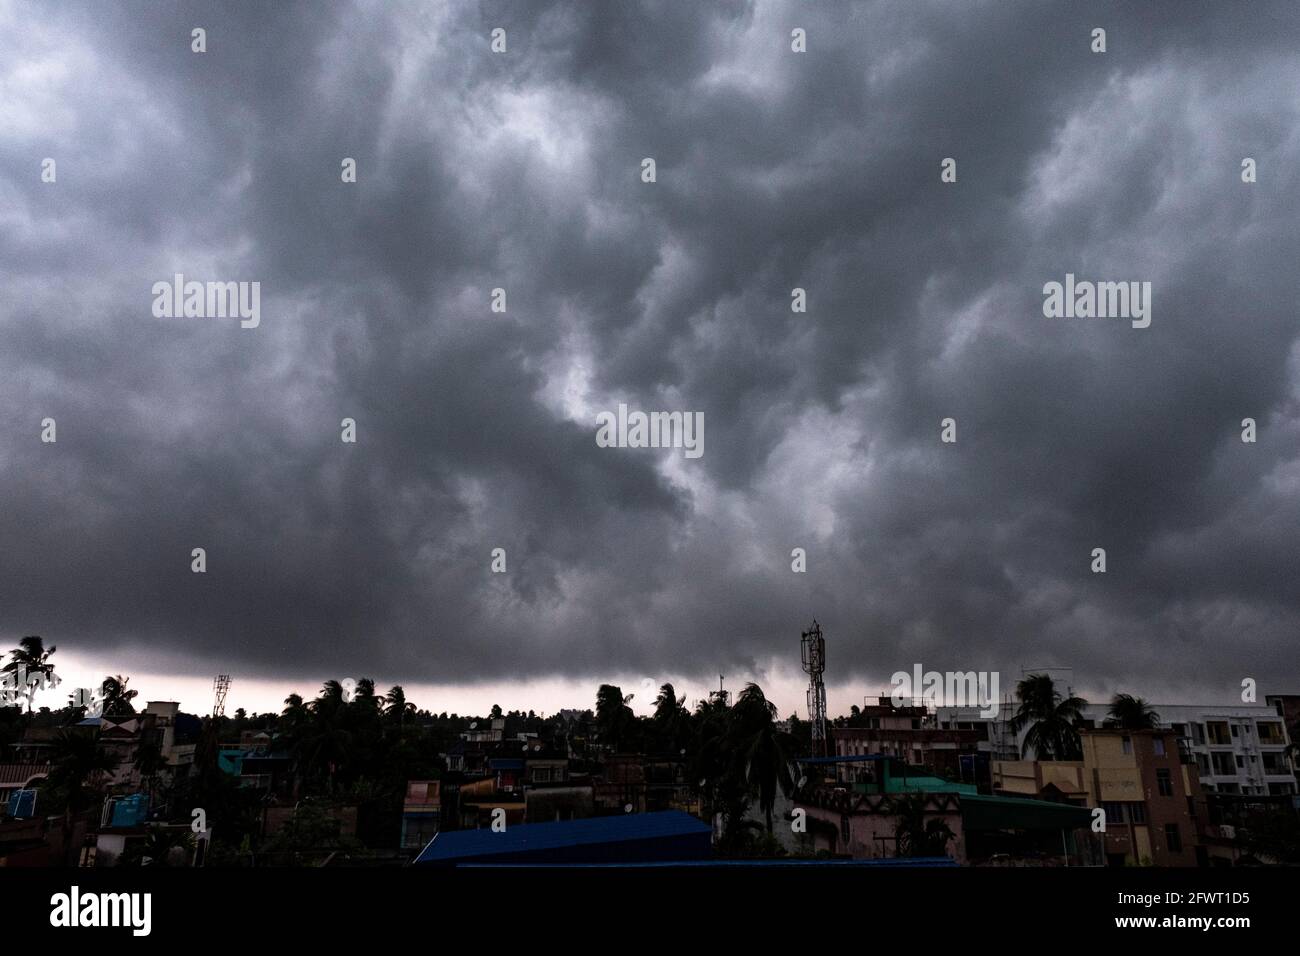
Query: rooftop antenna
{"type": "Point", "coordinates": [813, 648]}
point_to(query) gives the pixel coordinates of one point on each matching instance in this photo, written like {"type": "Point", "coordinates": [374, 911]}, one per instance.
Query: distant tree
{"type": "Point", "coordinates": [1132, 713]}
{"type": "Point", "coordinates": [496, 712]}
{"type": "Point", "coordinates": [399, 708]}
{"type": "Point", "coordinates": [30, 665]}
{"type": "Point", "coordinates": [1051, 718]}
{"type": "Point", "coordinates": [614, 718]}
{"type": "Point", "coordinates": [117, 698]}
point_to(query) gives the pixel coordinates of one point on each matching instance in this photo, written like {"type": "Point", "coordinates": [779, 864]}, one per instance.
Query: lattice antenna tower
{"type": "Point", "coordinates": [813, 647]}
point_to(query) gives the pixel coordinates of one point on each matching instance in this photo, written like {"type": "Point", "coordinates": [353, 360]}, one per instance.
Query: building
{"type": "Point", "coordinates": [421, 813]}
{"type": "Point", "coordinates": [1148, 787]}
{"type": "Point", "coordinates": [121, 735]}
{"type": "Point", "coordinates": [1237, 748]}
{"type": "Point", "coordinates": [909, 733]}
{"type": "Point", "coordinates": [860, 813]}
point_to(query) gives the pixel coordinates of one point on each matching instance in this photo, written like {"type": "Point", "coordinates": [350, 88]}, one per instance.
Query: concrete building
{"type": "Point", "coordinates": [421, 813]}
{"type": "Point", "coordinates": [859, 812]}
{"type": "Point", "coordinates": [1148, 788]}
{"type": "Point", "coordinates": [909, 733]}
{"type": "Point", "coordinates": [1237, 748]}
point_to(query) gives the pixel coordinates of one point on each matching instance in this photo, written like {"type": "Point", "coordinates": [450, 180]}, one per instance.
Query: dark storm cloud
{"type": "Point", "coordinates": [476, 430]}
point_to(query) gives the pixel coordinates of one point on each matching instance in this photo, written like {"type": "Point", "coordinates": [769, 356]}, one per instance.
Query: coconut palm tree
{"type": "Point", "coordinates": [398, 706]}
{"type": "Point", "coordinates": [614, 718]}
{"type": "Point", "coordinates": [669, 708]}
{"type": "Point", "coordinates": [1051, 718]}
{"type": "Point", "coordinates": [764, 750]}
{"type": "Point", "coordinates": [364, 696]}
{"type": "Point", "coordinates": [1132, 713]}
{"type": "Point", "coordinates": [914, 835]}
{"type": "Point", "coordinates": [117, 699]}
{"type": "Point", "coordinates": [31, 667]}
{"type": "Point", "coordinates": [149, 761]}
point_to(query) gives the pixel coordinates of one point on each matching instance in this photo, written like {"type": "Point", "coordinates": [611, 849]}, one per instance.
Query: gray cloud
{"type": "Point", "coordinates": [476, 430]}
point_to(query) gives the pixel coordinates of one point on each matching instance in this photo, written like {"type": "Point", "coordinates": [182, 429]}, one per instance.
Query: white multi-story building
{"type": "Point", "coordinates": [1238, 748]}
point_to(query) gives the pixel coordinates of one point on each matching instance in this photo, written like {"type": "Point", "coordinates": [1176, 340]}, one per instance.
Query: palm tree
{"type": "Point", "coordinates": [294, 717]}
{"type": "Point", "coordinates": [324, 741]}
{"type": "Point", "coordinates": [31, 660]}
{"type": "Point", "coordinates": [614, 718]}
{"type": "Point", "coordinates": [364, 696]}
{"type": "Point", "coordinates": [117, 699]}
{"type": "Point", "coordinates": [913, 834]}
{"type": "Point", "coordinates": [669, 708]}
{"type": "Point", "coordinates": [764, 750]}
{"type": "Point", "coordinates": [398, 705]}
{"type": "Point", "coordinates": [1132, 713]}
{"type": "Point", "coordinates": [1052, 719]}
{"type": "Point", "coordinates": [149, 761]}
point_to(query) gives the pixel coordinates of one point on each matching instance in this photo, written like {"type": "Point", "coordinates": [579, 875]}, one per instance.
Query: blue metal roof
{"type": "Point", "coordinates": [667, 836]}
{"type": "Point", "coordinates": [887, 862]}
{"type": "Point", "coordinates": [506, 763]}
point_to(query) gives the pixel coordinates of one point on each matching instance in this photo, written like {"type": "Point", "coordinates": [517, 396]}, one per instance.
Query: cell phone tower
{"type": "Point", "coordinates": [814, 665]}
{"type": "Point", "coordinates": [220, 687]}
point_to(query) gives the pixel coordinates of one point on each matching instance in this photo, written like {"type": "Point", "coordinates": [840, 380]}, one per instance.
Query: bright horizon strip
{"type": "Point", "coordinates": [545, 695]}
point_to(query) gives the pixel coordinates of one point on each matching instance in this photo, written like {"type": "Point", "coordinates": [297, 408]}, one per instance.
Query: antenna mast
{"type": "Point", "coordinates": [813, 647]}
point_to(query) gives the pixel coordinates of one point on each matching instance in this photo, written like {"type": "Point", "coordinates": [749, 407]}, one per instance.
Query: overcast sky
{"type": "Point", "coordinates": [476, 430]}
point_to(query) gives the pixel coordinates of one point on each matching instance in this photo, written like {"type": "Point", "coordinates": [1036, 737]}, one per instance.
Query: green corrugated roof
{"type": "Point", "coordinates": [980, 812]}
{"type": "Point", "coordinates": [925, 783]}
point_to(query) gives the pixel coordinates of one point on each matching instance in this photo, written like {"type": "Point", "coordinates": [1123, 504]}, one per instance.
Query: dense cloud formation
{"type": "Point", "coordinates": [476, 430]}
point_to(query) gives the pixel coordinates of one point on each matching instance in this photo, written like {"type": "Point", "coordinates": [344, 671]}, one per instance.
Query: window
{"type": "Point", "coordinates": [1236, 731]}
{"type": "Point", "coordinates": [1158, 744]}
{"type": "Point", "coordinates": [1173, 839]}
{"type": "Point", "coordinates": [1114, 812]}
{"type": "Point", "coordinates": [1128, 745]}
{"type": "Point", "coordinates": [1269, 732]}
{"type": "Point", "coordinates": [1164, 784]}
{"type": "Point", "coordinates": [1137, 812]}
{"type": "Point", "coordinates": [1240, 762]}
